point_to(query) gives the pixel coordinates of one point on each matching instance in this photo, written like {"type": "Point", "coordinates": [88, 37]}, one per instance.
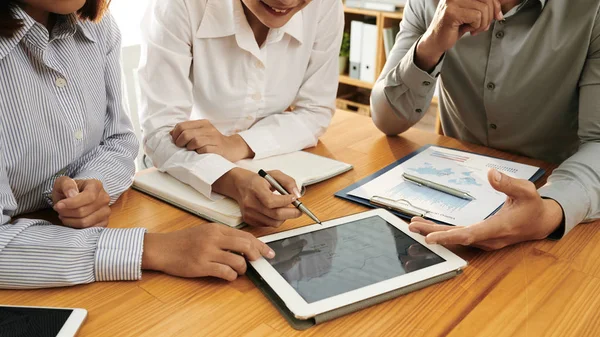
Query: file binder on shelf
{"type": "Point", "coordinates": [356, 28]}
{"type": "Point", "coordinates": [369, 52]}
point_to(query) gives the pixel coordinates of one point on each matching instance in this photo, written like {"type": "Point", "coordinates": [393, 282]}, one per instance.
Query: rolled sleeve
{"type": "Point", "coordinates": [119, 255]}
{"type": "Point", "coordinates": [89, 174]}
{"type": "Point", "coordinates": [414, 78]}
{"type": "Point", "coordinates": [573, 199]}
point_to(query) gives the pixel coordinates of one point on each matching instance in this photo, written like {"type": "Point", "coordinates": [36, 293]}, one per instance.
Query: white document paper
{"type": "Point", "coordinates": [456, 169]}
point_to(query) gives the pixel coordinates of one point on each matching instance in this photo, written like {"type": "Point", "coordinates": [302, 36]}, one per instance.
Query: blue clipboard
{"type": "Point", "coordinates": [343, 194]}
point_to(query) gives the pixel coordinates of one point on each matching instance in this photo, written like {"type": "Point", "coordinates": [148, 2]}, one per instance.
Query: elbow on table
{"type": "Point", "coordinates": [383, 115]}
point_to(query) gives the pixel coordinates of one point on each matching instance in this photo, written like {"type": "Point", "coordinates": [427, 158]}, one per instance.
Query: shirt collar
{"type": "Point", "coordinates": [222, 18]}
{"type": "Point", "coordinates": [295, 27]}
{"type": "Point", "coordinates": [66, 25]}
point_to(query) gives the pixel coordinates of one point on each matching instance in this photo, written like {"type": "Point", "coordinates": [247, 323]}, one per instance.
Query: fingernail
{"type": "Point", "coordinates": [59, 206]}
{"type": "Point", "coordinates": [497, 176]}
{"type": "Point", "coordinates": [500, 15]}
{"type": "Point", "coordinates": [297, 193]}
{"type": "Point", "coordinates": [414, 230]}
{"type": "Point", "coordinates": [271, 254]}
{"type": "Point", "coordinates": [72, 193]}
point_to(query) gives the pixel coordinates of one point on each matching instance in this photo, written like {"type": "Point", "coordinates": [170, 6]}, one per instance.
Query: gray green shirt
{"type": "Point", "coordinates": [530, 85]}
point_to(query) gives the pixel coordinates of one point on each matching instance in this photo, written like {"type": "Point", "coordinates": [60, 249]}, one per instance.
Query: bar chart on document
{"type": "Point", "coordinates": [460, 170]}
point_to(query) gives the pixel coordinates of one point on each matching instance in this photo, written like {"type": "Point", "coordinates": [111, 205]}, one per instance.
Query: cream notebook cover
{"type": "Point", "coordinates": [306, 168]}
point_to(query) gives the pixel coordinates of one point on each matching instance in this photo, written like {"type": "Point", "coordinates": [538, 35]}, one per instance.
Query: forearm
{"type": "Point", "coordinates": [288, 132]}
{"type": "Point", "coordinates": [37, 254]}
{"type": "Point", "coordinates": [403, 93]}
{"type": "Point", "coordinates": [200, 171]}
{"type": "Point", "coordinates": [113, 163]}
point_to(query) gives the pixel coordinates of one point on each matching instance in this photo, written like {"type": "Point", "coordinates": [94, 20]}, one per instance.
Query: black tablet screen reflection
{"type": "Point", "coordinates": [347, 257]}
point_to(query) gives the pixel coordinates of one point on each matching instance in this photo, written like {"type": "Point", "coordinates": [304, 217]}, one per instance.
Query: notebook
{"type": "Point", "coordinates": [306, 168]}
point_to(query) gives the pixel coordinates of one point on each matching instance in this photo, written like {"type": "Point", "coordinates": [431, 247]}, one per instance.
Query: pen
{"type": "Point", "coordinates": [395, 206]}
{"type": "Point", "coordinates": [438, 187]}
{"type": "Point", "coordinates": [298, 204]}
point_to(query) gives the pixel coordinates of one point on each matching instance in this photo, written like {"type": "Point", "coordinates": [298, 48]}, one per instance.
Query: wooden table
{"type": "Point", "coordinates": [541, 288]}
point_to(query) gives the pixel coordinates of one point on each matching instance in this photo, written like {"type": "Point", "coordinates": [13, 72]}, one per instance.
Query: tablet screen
{"type": "Point", "coordinates": [347, 257]}
{"type": "Point", "coordinates": [32, 322]}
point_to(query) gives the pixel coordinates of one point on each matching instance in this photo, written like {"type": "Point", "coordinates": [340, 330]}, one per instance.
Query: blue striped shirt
{"type": "Point", "coordinates": [61, 114]}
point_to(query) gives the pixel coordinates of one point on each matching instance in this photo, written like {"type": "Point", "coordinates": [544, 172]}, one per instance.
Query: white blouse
{"type": "Point", "coordinates": [200, 60]}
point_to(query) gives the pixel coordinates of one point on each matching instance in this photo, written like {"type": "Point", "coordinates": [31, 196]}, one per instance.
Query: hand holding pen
{"type": "Point", "coordinates": [297, 203]}
{"type": "Point", "coordinates": [259, 205]}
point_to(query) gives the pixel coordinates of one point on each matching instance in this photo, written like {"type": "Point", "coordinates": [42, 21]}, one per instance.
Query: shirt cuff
{"type": "Point", "coordinates": [573, 199]}
{"type": "Point", "coordinates": [205, 172]}
{"type": "Point", "coordinates": [414, 78]}
{"type": "Point", "coordinates": [261, 141]}
{"type": "Point", "coordinates": [119, 255]}
{"type": "Point", "coordinates": [89, 174]}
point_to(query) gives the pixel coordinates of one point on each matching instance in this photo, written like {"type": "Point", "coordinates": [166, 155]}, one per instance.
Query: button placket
{"type": "Point", "coordinates": [78, 134]}
{"type": "Point", "coordinates": [492, 81]}
{"type": "Point", "coordinates": [60, 82]}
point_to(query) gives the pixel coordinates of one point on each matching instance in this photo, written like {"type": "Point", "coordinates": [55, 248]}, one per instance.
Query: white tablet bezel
{"type": "Point", "coordinates": [303, 310]}
{"type": "Point", "coordinates": [71, 325]}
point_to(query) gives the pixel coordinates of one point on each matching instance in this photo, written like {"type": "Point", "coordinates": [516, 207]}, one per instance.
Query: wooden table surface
{"type": "Point", "coordinates": [540, 288]}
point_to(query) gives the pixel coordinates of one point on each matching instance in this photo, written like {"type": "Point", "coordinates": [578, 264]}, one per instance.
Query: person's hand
{"type": "Point", "coordinates": [201, 136]}
{"type": "Point", "coordinates": [452, 20]}
{"type": "Point", "coordinates": [205, 250]}
{"type": "Point", "coordinates": [525, 216]}
{"type": "Point", "coordinates": [81, 203]}
{"type": "Point", "coordinates": [260, 206]}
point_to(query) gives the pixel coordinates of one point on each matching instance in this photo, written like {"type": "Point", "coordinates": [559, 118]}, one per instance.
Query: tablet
{"type": "Point", "coordinates": [321, 268]}
{"type": "Point", "coordinates": [40, 321]}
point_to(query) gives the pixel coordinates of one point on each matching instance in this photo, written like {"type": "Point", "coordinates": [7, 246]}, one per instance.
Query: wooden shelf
{"type": "Point", "coordinates": [360, 11]}
{"type": "Point", "coordinates": [357, 83]}
{"type": "Point", "coordinates": [347, 105]}
{"type": "Point", "coordinates": [392, 15]}
{"type": "Point", "coordinates": [383, 20]}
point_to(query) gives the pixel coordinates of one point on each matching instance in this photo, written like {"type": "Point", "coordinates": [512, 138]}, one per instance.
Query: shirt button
{"type": "Point", "coordinates": [78, 135]}
{"type": "Point", "coordinates": [493, 126]}
{"type": "Point", "coordinates": [259, 65]}
{"type": "Point", "coordinates": [250, 118]}
{"type": "Point", "coordinates": [257, 96]}
{"type": "Point", "coordinates": [419, 111]}
{"type": "Point", "coordinates": [491, 86]}
{"type": "Point", "coordinates": [426, 83]}
{"type": "Point", "coordinates": [61, 82]}
{"type": "Point", "coordinates": [500, 34]}
{"type": "Point", "coordinates": [503, 21]}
